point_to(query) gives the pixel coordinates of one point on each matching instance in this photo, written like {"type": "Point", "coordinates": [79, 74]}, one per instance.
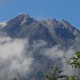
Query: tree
{"type": "Point", "coordinates": [70, 77]}
{"type": "Point", "coordinates": [14, 78]}
{"type": "Point", "coordinates": [55, 74]}
{"type": "Point", "coordinates": [74, 62]}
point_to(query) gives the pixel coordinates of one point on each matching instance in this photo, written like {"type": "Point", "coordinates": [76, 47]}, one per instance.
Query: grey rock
{"type": "Point", "coordinates": [51, 31]}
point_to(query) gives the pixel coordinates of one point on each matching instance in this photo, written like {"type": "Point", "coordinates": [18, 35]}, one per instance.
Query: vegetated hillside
{"type": "Point", "coordinates": [47, 41]}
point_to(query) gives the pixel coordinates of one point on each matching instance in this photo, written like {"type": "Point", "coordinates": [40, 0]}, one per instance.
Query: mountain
{"type": "Point", "coordinates": [50, 30]}
{"type": "Point", "coordinates": [41, 35]}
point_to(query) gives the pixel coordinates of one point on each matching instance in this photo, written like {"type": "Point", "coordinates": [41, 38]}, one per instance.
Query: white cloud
{"type": "Point", "coordinates": [12, 57]}
{"type": "Point", "coordinates": [15, 60]}
{"type": "Point", "coordinates": [3, 24]}
{"type": "Point", "coordinates": [11, 48]}
{"type": "Point", "coordinates": [54, 52]}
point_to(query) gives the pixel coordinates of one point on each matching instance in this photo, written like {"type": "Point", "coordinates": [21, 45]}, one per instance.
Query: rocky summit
{"type": "Point", "coordinates": [50, 30]}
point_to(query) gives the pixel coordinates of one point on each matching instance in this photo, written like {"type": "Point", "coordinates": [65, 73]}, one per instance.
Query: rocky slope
{"type": "Point", "coordinates": [50, 30]}
{"type": "Point", "coordinates": [41, 35]}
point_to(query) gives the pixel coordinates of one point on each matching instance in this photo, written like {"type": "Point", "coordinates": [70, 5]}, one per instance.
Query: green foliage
{"type": "Point", "coordinates": [75, 60]}
{"type": "Point", "coordinates": [55, 74]}
{"type": "Point", "coordinates": [70, 77]}
{"type": "Point", "coordinates": [52, 75]}
{"type": "Point", "coordinates": [14, 78]}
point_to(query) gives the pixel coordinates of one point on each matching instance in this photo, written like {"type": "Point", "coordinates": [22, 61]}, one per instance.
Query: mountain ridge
{"type": "Point", "coordinates": [50, 30]}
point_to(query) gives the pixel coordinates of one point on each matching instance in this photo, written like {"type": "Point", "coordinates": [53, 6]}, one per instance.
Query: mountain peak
{"type": "Point", "coordinates": [20, 18]}
{"type": "Point", "coordinates": [23, 15]}
{"type": "Point", "coordinates": [49, 22]}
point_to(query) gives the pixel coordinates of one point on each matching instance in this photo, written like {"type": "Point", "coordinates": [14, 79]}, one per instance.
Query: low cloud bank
{"type": "Point", "coordinates": [14, 61]}
{"type": "Point", "coordinates": [61, 57]}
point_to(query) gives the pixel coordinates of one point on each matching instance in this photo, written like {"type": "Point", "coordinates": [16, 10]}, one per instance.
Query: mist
{"type": "Point", "coordinates": [14, 61]}
{"type": "Point", "coordinates": [60, 58]}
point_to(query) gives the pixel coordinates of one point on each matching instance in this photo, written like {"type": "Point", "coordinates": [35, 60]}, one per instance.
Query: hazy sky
{"type": "Point", "coordinates": [41, 9]}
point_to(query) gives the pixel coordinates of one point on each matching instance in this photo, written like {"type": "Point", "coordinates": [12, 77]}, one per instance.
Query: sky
{"type": "Point", "coordinates": [42, 9]}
